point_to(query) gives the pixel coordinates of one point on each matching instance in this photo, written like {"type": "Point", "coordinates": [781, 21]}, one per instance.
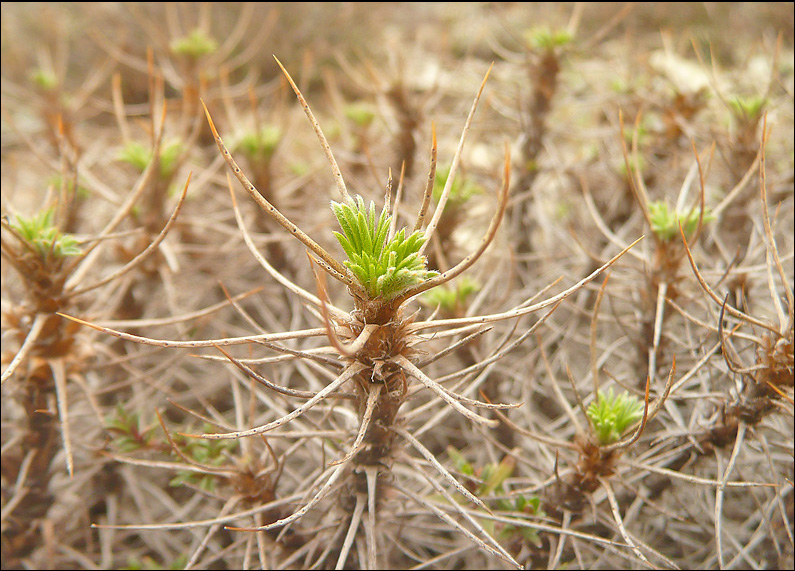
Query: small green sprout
{"type": "Point", "coordinates": [748, 108]}
{"type": "Point", "coordinates": [39, 232]}
{"type": "Point", "coordinates": [528, 506]}
{"type": "Point", "coordinates": [451, 298]}
{"type": "Point", "coordinates": [204, 482]}
{"type": "Point", "coordinates": [135, 154]}
{"type": "Point", "coordinates": [261, 145]}
{"type": "Point", "coordinates": [298, 167]}
{"type": "Point", "coordinates": [127, 430]}
{"type": "Point", "coordinates": [544, 39]}
{"type": "Point", "coordinates": [44, 79]}
{"type": "Point", "coordinates": [665, 222]}
{"type": "Point", "coordinates": [611, 415]}
{"type": "Point", "coordinates": [384, 269]}
{"type": "Point", "coordinates": [56, 181]}
{"type": "Point", "coordinates": [636, 164]}
{"type": "Point", "coordinates": [130, 437]}
{"type": "Point", "coordinates": [531, 165]}
{"type": "Point", "coordinates": [139, 156]}
{"type": "Point", "coordinates": [169, 155]}
{"type": "Point", "coordinates": [462, 190]}
{"type": "Point", "coordinates": [492, 477]}
{"type": "Point", "coordinates": [360, 113]}
{"type": "Point", "coordinates": [460, 462]}
{"type": "Point", "coordinates": [194, 45]}
{"type": "Point", "coordinates": [209, 452]}
{"type": "Point", "coordinates": [621, 86]}
{"type": "Point", "coordinates": [641, 133]}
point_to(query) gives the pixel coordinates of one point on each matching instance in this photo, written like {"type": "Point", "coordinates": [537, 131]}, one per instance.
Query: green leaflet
{"type": "Point", "coordinates": [385, 269]}
{"type": "Point", "coordinates": [665, 221]}
{"type": "Point", "coordinates": [611, 415]}
{"type": "Point", "coordinates": [40, 233]}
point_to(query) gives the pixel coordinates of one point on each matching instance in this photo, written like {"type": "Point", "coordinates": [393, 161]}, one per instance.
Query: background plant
{"type": "Point", "coordinates": [706, 484]}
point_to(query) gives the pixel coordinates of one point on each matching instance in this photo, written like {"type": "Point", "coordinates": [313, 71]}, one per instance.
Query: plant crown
{"type": "Point", "coordinates": [384, 268]}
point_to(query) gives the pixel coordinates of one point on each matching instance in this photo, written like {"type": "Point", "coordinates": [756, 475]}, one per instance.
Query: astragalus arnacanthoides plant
{"type": "Point", "coordinates": [375, 361]}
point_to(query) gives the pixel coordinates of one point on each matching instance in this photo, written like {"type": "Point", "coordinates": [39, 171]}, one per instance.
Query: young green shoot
{"type": "Point", "coordinates": [195, 45]}
{"type": "Point", "coordinates": [611, 415]}
{"type": "Point", "coordinates": [748, 109]}
{"type": "Point", "coordinates": [261, 145]}
{"type": "Point", "coordinates": [384, 268]}
{"type": "Point", "coordinates": [491, 478]}
{"type": "Point", "coordinates": [139, 156]}
{"type": "Point", "coordinates": [41, 235]}
{"type": "Point", "coordinates": [126, 429]}
{"type": "Point", "coordinates": [451, 298]}
{"type": "Point", "coordinates": [544, 39]}
{"type": "Point", "coordinates": [665, 221]}
{"type": "Point", "coordinates": [361, 113]}
{"type": "Point", "coordinates": [461, 190]}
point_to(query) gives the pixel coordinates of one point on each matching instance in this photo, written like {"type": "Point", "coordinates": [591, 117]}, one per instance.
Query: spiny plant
{"type": "Point", "coordinates": [61, 106]}
{"type": "Point", "coordinates": [541, 52]}
{"type": "Point", "coordinates": [763, 387]}
{"type": "Point", "coordinates": [51, 263]}
{"type": "Point", "coordinates": [599, 450]}
{"type": "Point", "coordinates": [259, 142]}
{"type": "Point", "coordinates": [546, 49]}
{"type": "Point", "coordinates": [375, 348]}
{"type": "Point", "coordinates": [747, 111]}
{"type": "Point", "coordinates": [151, 211]}
{"type": "Point", "coordinates": [722, 424]}
{"type": "Point", "coordinates": [56, 272]}
{"type": "Point", "coordinates": [201, 463]}
{"type": "Point", "coordinates": [710, 478]}
{"type": "Point", "coordinates": [239, 472]}
{"type": "Point", "coordinates": [392, 88]}
{"type": "Point", "coordinates": [766, 380]}
{"type": "Point", "coordinates": [155, 150]}
{"type": "Point", "coordinates": [46, 259]}
{"type": "Point", "coordinates": [662, 276]}
{"type": "Point", "coordinates": [194, 60]}
{"type": "Point", "coordinates": [51, 353]}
